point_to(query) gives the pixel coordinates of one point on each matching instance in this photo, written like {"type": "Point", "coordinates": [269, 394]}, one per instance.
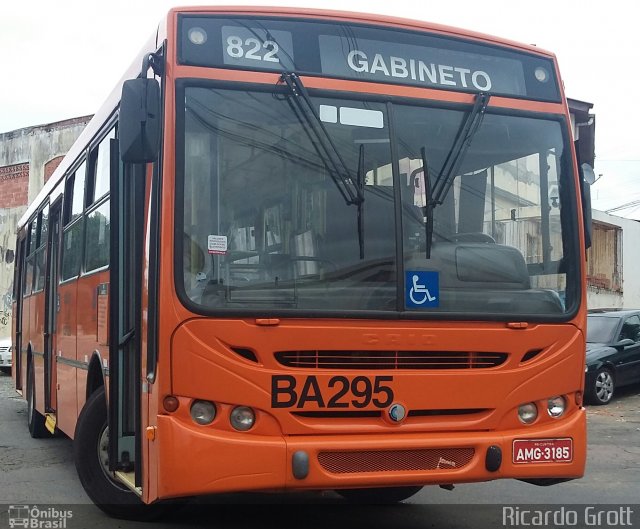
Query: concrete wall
{"type": "Point", "coordinates": [24, 165]}
{"type": "Point", "coordinates": [629, 297]}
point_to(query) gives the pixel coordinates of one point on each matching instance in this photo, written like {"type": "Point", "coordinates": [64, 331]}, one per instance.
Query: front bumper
{"type": "Point", "coordinates": [197, 460]}
{"type": "Point", "coordinates": [5, 359]}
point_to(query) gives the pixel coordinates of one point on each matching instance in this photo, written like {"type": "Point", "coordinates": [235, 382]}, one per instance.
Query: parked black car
{"type": "Point", "coordinates": [613, 352]}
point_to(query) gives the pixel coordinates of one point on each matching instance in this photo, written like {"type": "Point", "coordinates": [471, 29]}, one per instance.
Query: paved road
{"type": "Point", "coordinates": [38, 472]}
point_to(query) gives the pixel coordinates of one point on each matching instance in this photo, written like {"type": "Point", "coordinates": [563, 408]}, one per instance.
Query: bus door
{"type": "Point", "coordinates": [127, 213]}
{"type": "Point", "coordinates": [52, 305]}
{"type": "Point", "coordinates": [18, 289]}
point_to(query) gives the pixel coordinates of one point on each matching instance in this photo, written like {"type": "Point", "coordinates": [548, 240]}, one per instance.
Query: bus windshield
{"type": "Point", "coordinates": [266, 226]}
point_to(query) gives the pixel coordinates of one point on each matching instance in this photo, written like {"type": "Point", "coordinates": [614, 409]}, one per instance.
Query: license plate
{"type": "Point", "coordinates": [543, 450]}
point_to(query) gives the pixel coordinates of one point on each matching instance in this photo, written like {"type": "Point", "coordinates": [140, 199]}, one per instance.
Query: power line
{"type": "Point", "coordinates": [628, 205]}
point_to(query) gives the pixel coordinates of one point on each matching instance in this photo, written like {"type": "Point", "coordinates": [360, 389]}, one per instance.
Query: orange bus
{"type": "Point", "coordinates": [305, 249]}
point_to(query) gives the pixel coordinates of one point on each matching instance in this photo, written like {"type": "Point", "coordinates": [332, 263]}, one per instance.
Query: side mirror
{"type": "Point", "coordinates": [588, 177]}
{"type": "Point", "coordinates": [588, 174]}
{"type": "Point", "coordinates": [139, 121]}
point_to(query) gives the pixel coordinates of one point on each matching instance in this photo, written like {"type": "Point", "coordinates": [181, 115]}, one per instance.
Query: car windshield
{"type": "Point", "coordinates": [601, 329]}
{"type": "Point", "coordinates": [265, 223]}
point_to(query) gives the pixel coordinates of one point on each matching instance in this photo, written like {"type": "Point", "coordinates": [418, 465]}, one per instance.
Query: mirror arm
{"type": "Point", "coordinates": [153, 61]}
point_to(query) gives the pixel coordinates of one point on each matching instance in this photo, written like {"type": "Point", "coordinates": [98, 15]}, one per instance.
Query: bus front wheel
{"type": "Point", "coordinates": [378, 495]}
{"type": "Point", "coordinates": [90, 444]}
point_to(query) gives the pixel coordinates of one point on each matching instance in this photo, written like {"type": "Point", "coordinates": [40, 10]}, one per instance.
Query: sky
{"type": "Point", "coordinates": [61, 60]}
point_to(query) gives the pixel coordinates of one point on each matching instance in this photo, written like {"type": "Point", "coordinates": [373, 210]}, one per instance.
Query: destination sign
{"type": "Point", "coordinates": [257, 47]}
{"type": "Point", "coordinates": [364, 53]}
{"type": "Point", "coordinates": [389, 61]}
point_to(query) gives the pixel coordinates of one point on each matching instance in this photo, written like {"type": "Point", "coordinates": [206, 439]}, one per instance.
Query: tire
{"type": "Point", "coordinates": [90, 444]}
{"type": "Point", "coordinates": [35, 419]}
{"type": "Point", "coordinates": [6, 370]}
{"type": "Point", "coordinates": [387, 495]}
{"type": "Point", "coordinates": [602, 388]}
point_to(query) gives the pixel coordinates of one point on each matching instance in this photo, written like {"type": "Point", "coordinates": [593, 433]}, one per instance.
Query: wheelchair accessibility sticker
{"type": "Point", "coordinates": [422, 289]}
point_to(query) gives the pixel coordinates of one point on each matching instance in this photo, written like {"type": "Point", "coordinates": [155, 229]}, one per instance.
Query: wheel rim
{"type": "Point", "coordinates": [103, 451]}
{"type": "Point", "coordinates": [103, 457]}
{"type": "Point", "coordinates": [604, 386]}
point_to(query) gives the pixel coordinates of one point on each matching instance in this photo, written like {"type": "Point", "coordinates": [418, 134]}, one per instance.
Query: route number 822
{"type": "Point", "coordinates": [337, 392]}
{"type": "Point", "coordinates": [252, 48]}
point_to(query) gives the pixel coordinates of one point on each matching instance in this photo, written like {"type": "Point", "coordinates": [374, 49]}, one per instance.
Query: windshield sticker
{"type": "Point", "coordinates": [217, 244]}
{"type": "Point", "coordinates": [422, 289]}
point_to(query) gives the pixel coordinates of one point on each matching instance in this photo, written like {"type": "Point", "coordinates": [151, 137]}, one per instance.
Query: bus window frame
{"type": "Point", "coordinates": [34, 230]}
{"type": "Point", "coordinates": [30, 255]}
{"type": "Point", "coordinates": [570, 232]}
{"type": "Point", "coordinates": [85, 272]}
{"type": "Point", "coordinates": [42, 248]}
{"type": "Point", "coordinates": [100, 140]}
{"type": "Point", "coordinates": [67, 221]}
{"type": "Point", "coordinates": [91, 202]}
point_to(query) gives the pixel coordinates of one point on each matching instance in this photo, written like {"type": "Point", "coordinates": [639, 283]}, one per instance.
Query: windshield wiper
{"type": "Point", "coordinates": [429, 204]}
{"type": "Point", "coordinates": [360, 186]}
{"type": "Point", "coordinates": [458, 150]}
{"type": "Point", "coordinates": [327, 150]}
{"type": "Point", "coordinates": [456, 154]}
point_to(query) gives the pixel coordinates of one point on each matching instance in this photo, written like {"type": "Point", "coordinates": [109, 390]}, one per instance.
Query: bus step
{"type": "Point", "coordinates": [129, 479]}
{"type": "Point", "coordinates": [50, 422]}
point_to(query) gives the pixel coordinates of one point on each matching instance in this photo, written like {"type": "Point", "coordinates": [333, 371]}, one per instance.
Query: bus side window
{"type": "Point", "coordinates": [98, 209]}
{"type": "Point", "coordinates": [41, 252]}
{"type": "Point", "coordinates": [31, 249]}
{"type": "Point", "coordinates": [74, 223]}
{"type": "Point", "coordinates": [99, 169]}
{"type": "Point", "coordinates": [97, 248]}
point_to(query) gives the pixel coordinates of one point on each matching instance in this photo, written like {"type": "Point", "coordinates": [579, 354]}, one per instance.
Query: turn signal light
{"type": "Point", "coordinates": [170, 403]}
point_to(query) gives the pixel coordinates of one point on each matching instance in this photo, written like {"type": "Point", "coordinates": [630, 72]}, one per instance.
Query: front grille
{"type": "Point", "coordinates": [390, 359]}
{"type": "Point", "coordinates": [357, 414]}
{"type": "Point", "coordinates": [5, 349]}
{"type": "Point", "coordinates": [337, 414]}
{"type": "Point", "coordinates": [395, 460]}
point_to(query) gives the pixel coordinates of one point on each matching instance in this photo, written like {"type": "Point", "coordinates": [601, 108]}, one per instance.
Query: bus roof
{"type": "Point", "coordinates": [353, 16]}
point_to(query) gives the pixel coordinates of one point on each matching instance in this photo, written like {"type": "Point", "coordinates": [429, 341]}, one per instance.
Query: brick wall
{"type": "Point", "coordinates": [51, 166]}
{"type": "Point", "coordinates": [14, 185]}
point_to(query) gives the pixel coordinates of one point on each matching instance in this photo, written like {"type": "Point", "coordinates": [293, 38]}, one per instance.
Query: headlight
{"type": "Point", "coordinates": [242, 418]}
{"type": "Point", "coordinates": [556, 406]}
{"type": "Point", "coordinates": [528, 413]}
{"type": "Point", "coordinates": [203, 412]}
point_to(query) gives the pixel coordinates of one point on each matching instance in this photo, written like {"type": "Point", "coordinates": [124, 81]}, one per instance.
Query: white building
{"type": "Point", "coordinates": [612, 261]}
